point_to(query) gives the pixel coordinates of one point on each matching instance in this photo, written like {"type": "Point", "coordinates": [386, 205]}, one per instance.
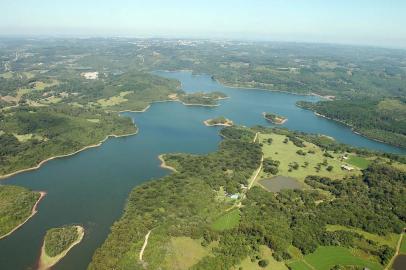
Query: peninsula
{"type": "Point", "coordinates": [199, 98]}
{"type": "Point", "coordinates": [17, 206]}
{"type": "Point", "coordinates": [262, 178]}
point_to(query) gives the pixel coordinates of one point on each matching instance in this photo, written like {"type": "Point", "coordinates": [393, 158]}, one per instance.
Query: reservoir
{"type": "Point", "coordinates": [90, 188]}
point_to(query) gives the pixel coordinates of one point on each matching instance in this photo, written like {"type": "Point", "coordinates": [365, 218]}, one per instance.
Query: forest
{"type": "Point", "coordinates": [58, 240]}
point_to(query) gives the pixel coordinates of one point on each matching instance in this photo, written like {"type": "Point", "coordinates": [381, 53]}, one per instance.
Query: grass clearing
{"type": "Point", "coordinates": [115, 100]}
{"type": "Point", "coordinates": [93, 120]}
{"type": "Point", "coordinates": [403, 246]}
{"type": "Point", "coordinates": [324, 258]}
{"type": "Point", "coordinates": [227, 221]}
{"type": "Point", "coordinates": [360, 162]}
{"type": "Point", "coordinates": [299, 265]}
{"type": "Point", "coordinates": [266, 254]}
{"type": "Point", "coordinates": [178, 259]}
{"type": "Point", "coordinates": [7, 75]}
{"type": "Point", "coordinates": [390, 239]}
{"type": "Point", "coordinates": [278, 183]}
{"type": "Point", "coordinates": [286, 154]}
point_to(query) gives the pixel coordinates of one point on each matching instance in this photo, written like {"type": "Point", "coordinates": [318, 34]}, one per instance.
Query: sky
{"type": "Point", "coordinates": [364, 22]}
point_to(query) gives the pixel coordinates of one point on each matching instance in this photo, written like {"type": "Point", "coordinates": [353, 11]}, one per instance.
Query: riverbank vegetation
{"type": "Point", "coordinates": [16, 205]}
{"type": "Point", "coordinates": [295, 225]}
{"type": "Point", "coordinates": [379, 119]}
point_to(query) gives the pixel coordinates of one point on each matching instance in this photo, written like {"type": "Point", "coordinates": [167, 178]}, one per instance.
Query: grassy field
{"type": "Point", "coordinates": [266, 254]}
{"type": "Point", "coordinates": [286, 154]}
{"type": "Point", "coordinates": [403, 246]}
{"type": "Point", "coordinates": [324, 258]}
{"type": "Point", "coordinates": [6, 75]}
{"type": "Point", "coordinates": [115, 100]}
{"type": "Point", "coordinates": [227, 221]}
{"type": "Point", "coordinates": [178, 259]}
{"type": "Point", "coordinates": [390, 239]}
{"type": "Point", "coordinates": [360, 162]}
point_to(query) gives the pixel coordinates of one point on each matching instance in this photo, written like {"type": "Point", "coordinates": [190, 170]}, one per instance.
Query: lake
{"type": "Point", "coordinates": [91, 188]}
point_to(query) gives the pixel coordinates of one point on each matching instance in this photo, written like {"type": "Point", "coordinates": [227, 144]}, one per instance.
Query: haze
{"type": "Point", "coordinates": [373, 22]}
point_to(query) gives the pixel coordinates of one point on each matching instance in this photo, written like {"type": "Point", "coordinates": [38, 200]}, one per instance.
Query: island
{"type": "Point", "coordinates": [218, 121]}
{"type": "Point", "coordinates": [274, 118]}
{"type": "Point", "coordinates": [199, 98]}
{"type": "Point", "coordinates": [57, 243]}
{"type": "Point", "coordinates": [17, 206]}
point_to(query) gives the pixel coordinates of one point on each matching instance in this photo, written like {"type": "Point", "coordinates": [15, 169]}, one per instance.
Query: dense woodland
{"type": "Point", "coordinates": [58, 240]}
{"type": "Point", "coordinates": [185, 204]}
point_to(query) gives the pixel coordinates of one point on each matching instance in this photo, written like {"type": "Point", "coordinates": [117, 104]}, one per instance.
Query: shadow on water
{"type": "Point", "coordinates": [91, 188]}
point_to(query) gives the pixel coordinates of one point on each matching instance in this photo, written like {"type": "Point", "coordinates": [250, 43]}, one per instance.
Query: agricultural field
{"type": "Point", "coordinates": [389, 240]}
{"type": "Point", "coordinates": [287, 153]}
{"type": "Point", "coordinates": [266, 254]}
{"type": "Point", "coordinates": [324, 258]}
{"type": "Point", "coordinates": [279, 183]}
{"type": "Point", "coordinates": [359, 162]}
{"type": "Point", "coordinates": [177, 259]}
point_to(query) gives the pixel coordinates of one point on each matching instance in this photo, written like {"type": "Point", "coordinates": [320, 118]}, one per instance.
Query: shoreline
{"type": "Point", "coordinates": [5, 176]}
{"type": "Point", "coordinates": [228, 85]}
{"type": "Point", "coordinates": [46, 262]}
{"type": "Point", "coordinates": [353, 130]}
{"type": "Point", "coordinates": [164, 165]}
{"type": "Point", "coordinates": [33, 212]}
{"type": "Point", "coordinates": [270, 90]}
{"type": "Point", "coordinates": [171, 100]}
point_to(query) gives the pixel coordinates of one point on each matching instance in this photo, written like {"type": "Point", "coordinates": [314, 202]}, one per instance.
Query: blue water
{"type": "Point", "coordinates": [91, 188]}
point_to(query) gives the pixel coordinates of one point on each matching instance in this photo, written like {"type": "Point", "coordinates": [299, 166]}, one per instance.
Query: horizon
{"type": "Point", "coordinates": [364, 23]}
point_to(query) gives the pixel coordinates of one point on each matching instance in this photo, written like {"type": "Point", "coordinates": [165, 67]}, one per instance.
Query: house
{"type": "Point", "coordinates": [346, 167]}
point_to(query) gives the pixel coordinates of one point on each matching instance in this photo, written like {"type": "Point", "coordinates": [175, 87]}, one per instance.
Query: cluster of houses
{"type": "Point", "coordinates": [345, 166]}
